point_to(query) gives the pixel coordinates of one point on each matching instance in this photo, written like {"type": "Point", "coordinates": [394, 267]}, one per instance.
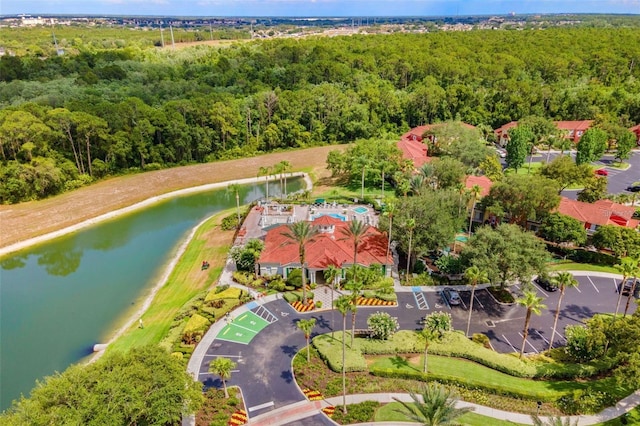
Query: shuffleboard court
{"type": "Point", "coordinates": [251, 321]}
{"type": "Point", "coordinates": [234, 333]}
{"type": "Point", "coordinates": [243, 328]}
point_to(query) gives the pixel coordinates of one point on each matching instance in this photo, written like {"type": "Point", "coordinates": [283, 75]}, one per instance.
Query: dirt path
{"type": "Point", "coordinates": [27, 220]}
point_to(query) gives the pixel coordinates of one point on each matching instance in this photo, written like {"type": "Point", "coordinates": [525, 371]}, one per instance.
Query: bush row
{"type": "Point", "coordinates": [296, 296]}
{"type": "Point", "coordinates": [330, 351]}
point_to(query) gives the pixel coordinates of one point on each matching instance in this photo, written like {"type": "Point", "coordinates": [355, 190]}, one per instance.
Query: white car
{"type": "Point", "coordinates": [452, 296]}
{"type": "Point", "coordinates": [502, 153]}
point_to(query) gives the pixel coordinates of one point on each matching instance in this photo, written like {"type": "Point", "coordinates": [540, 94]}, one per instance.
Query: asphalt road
{"type": "Point", "coordinates": [264, 366]}
{"type": "Point", "coordinates": [617, 181]}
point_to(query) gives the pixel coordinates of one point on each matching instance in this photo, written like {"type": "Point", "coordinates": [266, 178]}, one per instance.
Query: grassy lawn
{"type": "Point", "coordinates": [573, 266]}
{"type": "Point", "coordinates": [525, 170]}
{"type": "Point", "coordinates": [388, 413]}
{"type": "Point", "coordinates": [474, 374]}
{"type": "Point", "coordinates": [185, 282]}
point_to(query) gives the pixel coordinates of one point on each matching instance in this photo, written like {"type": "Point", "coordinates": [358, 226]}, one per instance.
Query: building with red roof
{"type": "Point", "coordinates": [602, 212]}
{"type": "Point", "coordinates": [483, 182]}
{"type": "Point", "coordinates": [413, 146]}
{"type": "Point", "coordinates": [329, 247]}
{"type": "Point", "coordinates": [572, 130]}
{"type": "Point", "coordinates": [636, 130]}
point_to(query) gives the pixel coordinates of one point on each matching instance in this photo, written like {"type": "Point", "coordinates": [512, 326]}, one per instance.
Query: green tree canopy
{"type": "Point", "coordinates": [565, 172]}
{"type": "Point", "coordinates": [519, 146]}
{"type": "Point", "coordinates": [523, 198]}
{"type": "Point", "coordinates": [591, 146]}
{"type": "Point", "coordinates": [143, 386]}
{"type": "Point", "coordinates": [559, 228]}
{"type": "Point", "coordinates": [506, 253]}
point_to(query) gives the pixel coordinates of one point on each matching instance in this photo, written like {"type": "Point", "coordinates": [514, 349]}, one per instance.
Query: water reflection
{"type": "Point", "coordinates": [59, 298]}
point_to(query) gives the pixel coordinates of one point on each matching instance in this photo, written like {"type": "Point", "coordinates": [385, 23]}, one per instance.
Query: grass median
{"type": "Point", "coordinates": [185, 282]}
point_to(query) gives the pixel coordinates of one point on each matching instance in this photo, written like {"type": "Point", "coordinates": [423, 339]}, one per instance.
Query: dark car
{"type": "Point", "coordinates": [633, 188]}
{"type": "Point", "coordinates": [628, 285]}
{"type": "Point", "coordinates": [546, 283]}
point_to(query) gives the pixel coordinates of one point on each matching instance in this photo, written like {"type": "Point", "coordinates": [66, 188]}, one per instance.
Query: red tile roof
{"type": "Point", "coordinates": [602, 212]}
{"type": "Point", "coordinates": [417, 132]}
{"type": "Point", "coordinates": [415, 151]}
{"type": "Point", "coordinates": [483, 182]}
{"type": "Point", "coordinates": [574, 125]}
{"type": "Point", "coordinates": [505, 128]}
{"type": "Point", "coordinates": [326, 248]}
{"type": "Point", "coordinates": [636, 129]}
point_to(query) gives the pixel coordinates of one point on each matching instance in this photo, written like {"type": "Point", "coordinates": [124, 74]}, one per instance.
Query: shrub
{"type": "Point", "coordinates": [357, 413]}
{"type": "Point", "coordinates": [382, 325]}
{"type": "Point", "coordinates": [277, 285]}
{"type": "Point", "coordinates": [585, 402]}
{"type": "Point", "coordinates": [244, 278]}
{"type": "Point", "coordinates": [404, 341]}
{"type": "Point", "coordinates": [319, 304]}
{"type": "Point", "coordinates": [387, 297]}
{"type": "Point", "coordinates": [196, 323]}
{"type": "Point", "coordinates": [581, 345]}
{"type": "Point", "coordinates": [294, 278]}
{"type": "Point", "coordinates": [221, 288]}
{"type": "Point", "coordinates": [229, 223]}
{"type": "Point", "coordinates": [423, 280]}
{"type": "Point", "coordinates": [227, 293]}
{"type": "Point", "coordinates": [481, 339]}
{"type": "Point", "coordinates": [290, 297]}
{"type": "Point", "coordinates": [330, 351]}
{"type": "Point", "coordinates": [369, 294]}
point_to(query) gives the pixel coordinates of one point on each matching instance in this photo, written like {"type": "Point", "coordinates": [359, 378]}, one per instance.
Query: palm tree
{"type": "Point", "coordinates": [343, 305]}
{"type": "Point", "coordinates": [364, 162]}
{"type": "Point", "coordinates": [301, 233]}
{"type": "Point", "coordinates": [389, 211]}
{"type": "Point", "coordinates": [331, 275]}
{"type": "Point", "coordinates": [234, 188]}
{"type": "Point", "coordinates": [266, 172]}
{"type": "Point", "coordinates": [475, 195]}
{"type": "Point", "coordinates": [356, 231]}
{"type": "Point", "coordinates": [563, 280]}
{"type": "Point", "coordinates": [435, 325]}
{"type": "Point", "coordinates": [306, 325]}
{"type": "Point", "coordinates": [356, 288]}
{"type": "Point", "coordinates": [632, 290]}
{"type": "Point", "coordinates": [222, 367]}
{"type": "Point", "coordinates": [474, 275]}
{"type": "Point", "coordinates": [627, 268]}
{"type": "Point", "coordinates": [277, 170]}
{"type": "Point", "coordinates": [534, 305]}
{"type": "Point", "coordinates": [285, 167]}
{"type": "Point", "coordinates": [434, 406]}
{"type": "Point", "coordinates": [410, 224]}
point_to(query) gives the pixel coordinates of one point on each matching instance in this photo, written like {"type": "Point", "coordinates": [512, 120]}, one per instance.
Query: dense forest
{"type": "Point", "coordinates": [116, 107]}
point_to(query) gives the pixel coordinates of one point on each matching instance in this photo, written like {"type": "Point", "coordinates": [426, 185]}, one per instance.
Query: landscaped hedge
{"type": "Point", "coordinates": [296, 296]}
{"type": "Point", "coordinates": [467, 383]}
{"type": "Point", "coordinates": [403, 341]}
{"type": "Point", "coordinates": [196, 323]}
{"type": "Point", "coordinates": [330, 351]}
{"type": "Point", "coordinates": [229, 293]}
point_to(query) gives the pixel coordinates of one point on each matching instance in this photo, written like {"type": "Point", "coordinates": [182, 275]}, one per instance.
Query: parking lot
{"type": "Point", "coordinates": [504, 323]}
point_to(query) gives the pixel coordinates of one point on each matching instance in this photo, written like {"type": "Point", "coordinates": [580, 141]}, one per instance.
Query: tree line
{"type": "Point", "coordinates": [68, 120]}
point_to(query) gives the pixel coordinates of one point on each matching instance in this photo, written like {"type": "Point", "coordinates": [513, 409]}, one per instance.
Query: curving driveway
{"type": "Point", "coordinates": [264, 365]}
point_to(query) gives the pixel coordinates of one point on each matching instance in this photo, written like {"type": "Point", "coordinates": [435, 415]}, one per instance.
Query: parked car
{"type": "Point", "coordinates": [633, 188]}
{"type": "Point", "coordinates": [452, 296]}
{"type": "Point", "coordinates": [602, 172]}
{"type": "Point", "coordinates": [628, 285]}
{"type": "Point", "coordinates": [545, 282]}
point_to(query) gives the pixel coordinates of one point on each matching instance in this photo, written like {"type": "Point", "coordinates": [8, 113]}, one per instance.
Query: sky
{"type": "Point", "coordinates": [311, 8]}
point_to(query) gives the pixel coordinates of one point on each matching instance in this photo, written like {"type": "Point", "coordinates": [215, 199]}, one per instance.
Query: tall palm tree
{"type": "Point", "coordinates": [534, 305]}
{"type": "Point", "coordinates": [632, 290]}
{"type": "Point", "coordinates": [435, 325]}
{"type": "Point", "coordinates": [234, 188]}
{"type": "Point", "coordinates": [356, 232]}
{"type": "Point", "coordinates": [627, 267]}
{"type": "Point", "coordinates": [475, 195]}
{"type": "Point", "coordinates": [284, 169]}
{"type": "Point", "coordinates": [331, 275]}
{"type": "Point", "coordinates": [435, 405]}
{"type": "Point", "coordinates": [301, 233]}
{"type": "Point", "coordinates": [563, 280]}
{"type": "Point", "coordinates": [390, 209]}
{"type": "Point", "coordinates": [277, 170]}
{"type": "Point", "coordinates": [356, 288]}
{"type": "Point", "coordinates": [266, 172]}
{"type": "Point", "coordinates": [411, 225]}
{"type": "Point", "coordinates": [474, 275]}
{"type": "Point", "coordinates": [222, 367]}
{"type": "Point", "coordinates": [306, 325]}
{"type": "Point", "coordinates": [343, 305]}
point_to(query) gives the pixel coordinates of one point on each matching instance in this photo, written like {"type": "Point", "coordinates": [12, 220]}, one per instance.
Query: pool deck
{"type": "Point", "coordinates": [262, 217]}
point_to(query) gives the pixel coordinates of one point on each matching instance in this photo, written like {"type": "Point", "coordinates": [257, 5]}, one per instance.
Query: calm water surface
{"type": "Point", "coordinates": [60, 298]}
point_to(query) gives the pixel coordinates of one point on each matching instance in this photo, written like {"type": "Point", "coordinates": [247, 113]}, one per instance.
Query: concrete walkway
{"type": "Point", "coordinates": [306, 409]}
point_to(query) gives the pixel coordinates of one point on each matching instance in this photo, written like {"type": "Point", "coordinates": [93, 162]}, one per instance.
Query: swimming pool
{"type": "Point", "coordinates": [361, 210]}
{"type": "Point", "coordinates": [335, 215]}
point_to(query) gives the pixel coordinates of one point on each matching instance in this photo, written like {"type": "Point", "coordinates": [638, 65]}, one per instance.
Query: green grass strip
{"type": "Point", "coordinates": [388, 413]}
{"type": "Point", "coordinates": [573, 266]}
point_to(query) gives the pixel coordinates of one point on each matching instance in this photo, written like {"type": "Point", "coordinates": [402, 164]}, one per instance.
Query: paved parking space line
{"type": "Point", "coordinates": [475, 296]}
{"type": "Point", "coordinates": [615, 285]}
{"type": "Point", "coordinates": [594, 286]}
{"type": "Point", "coordinates": [261, 406]}
{"type": "Point", "coordinates": [444, 299]}
{"type": "Point", "coordinates": [528, 343]}
{"type": "Point", "coordinates": [577, 288]}
{"type": "Point", "coordinates": [541, 336]}
{"type": "Point", "coordinates": [512, 347]}
{"type": "Point", "coordinates": [421, 300]}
